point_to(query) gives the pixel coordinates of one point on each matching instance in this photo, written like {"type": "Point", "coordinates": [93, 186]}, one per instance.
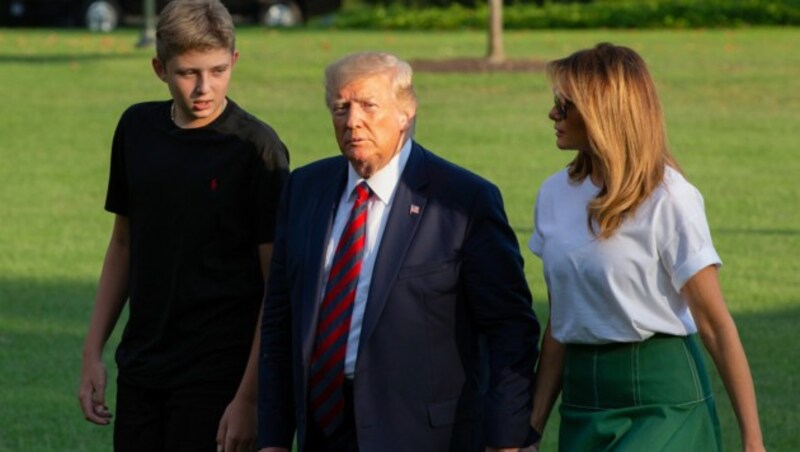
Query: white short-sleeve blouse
{"type": "Point", "coordinates": [627, 287]}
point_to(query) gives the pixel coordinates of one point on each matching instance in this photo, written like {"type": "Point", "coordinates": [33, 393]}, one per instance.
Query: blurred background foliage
{"type": "Point", "coordinates": [565, 14]}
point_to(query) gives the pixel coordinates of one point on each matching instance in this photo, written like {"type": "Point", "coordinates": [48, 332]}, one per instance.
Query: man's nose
{"type": "Point", "coordinates": [354, 117]}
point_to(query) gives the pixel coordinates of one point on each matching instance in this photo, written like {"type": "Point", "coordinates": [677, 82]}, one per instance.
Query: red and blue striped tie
{"type": "Point", "coordinates": [327, 361]}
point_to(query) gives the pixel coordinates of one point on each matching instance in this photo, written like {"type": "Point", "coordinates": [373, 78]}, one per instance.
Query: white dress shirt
{"type": "Point", "coordinates": [383, 185]}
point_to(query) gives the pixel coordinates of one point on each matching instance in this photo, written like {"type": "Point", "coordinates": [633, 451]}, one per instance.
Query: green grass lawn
{"type": "Point", "coordinates": [732, 99]}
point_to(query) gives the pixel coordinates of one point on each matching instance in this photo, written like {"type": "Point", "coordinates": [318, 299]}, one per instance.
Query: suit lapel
{"type": "Point", "coordinates": [407, 209]}
{"type": "Point", "coordinates": [322, 211]}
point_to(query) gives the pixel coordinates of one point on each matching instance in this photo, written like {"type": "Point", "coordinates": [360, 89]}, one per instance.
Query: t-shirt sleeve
{"type": "Point", "coordinates": [270, 179]}
{"type": "Point", "coordinates": [687, 247]}
{"type": "Point", "coordinates": [117, 193]}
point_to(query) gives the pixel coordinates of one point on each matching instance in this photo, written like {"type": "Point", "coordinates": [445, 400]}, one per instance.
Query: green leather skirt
{"type": "Point", "coordinates": [646, 396]}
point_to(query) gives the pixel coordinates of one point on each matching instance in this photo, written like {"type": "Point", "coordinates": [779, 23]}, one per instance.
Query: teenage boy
{"type": "Point", "coordinates": [194, 185]}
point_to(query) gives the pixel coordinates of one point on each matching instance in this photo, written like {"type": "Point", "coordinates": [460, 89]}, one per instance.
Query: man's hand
{"type": "Point", "coordinates": [92, 393]}
{"type": "Point", "coordinates": [237, 428]}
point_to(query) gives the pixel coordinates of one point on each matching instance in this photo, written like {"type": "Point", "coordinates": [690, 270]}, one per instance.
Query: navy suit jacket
{"type": "Point", "coordinates": [448, 303]}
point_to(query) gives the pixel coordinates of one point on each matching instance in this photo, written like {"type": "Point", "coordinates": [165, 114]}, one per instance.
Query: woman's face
{"type": "Point", "coordinates": [569, 125]}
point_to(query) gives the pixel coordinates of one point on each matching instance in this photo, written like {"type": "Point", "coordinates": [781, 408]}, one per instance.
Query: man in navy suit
{"type": "Point", "coordinates": [438, 294]}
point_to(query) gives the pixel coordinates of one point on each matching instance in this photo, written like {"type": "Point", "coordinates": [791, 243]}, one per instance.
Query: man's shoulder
{"type": "Point", "coordinates": [446, 172]}
{"type": "Point", "coordinates": [316, 179]}
{"type": "Point", "coordinates": [321, 169]}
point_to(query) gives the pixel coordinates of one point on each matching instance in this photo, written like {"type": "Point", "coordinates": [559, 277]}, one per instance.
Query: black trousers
{"type": "Point", "coordinates": [183, 419]}
{"type": "Point", "coordinates": [344, 439]}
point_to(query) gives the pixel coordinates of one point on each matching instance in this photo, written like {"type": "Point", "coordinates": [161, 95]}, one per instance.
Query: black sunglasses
{"type": "Point", "coordinates": [561, 108]}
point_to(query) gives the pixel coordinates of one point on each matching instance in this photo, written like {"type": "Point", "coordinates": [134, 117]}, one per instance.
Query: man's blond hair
{"type": "Point", "coordinates": [367, 64]}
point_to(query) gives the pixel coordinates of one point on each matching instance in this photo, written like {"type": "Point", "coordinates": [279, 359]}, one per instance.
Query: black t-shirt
{"type": "Point", "coordinates": [199, 202]}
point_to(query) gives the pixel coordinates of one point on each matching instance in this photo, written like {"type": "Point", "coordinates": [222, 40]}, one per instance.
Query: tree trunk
{"type": "Point", "coordinates": [496, 54]}
{"type": "Point", "coordinates": [148, 35]}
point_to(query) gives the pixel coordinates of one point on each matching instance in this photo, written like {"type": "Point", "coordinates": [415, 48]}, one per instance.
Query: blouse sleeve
{"type": "Point", "coordinates": [536, 242]}
{"type": "Point", "coordinates": [687, 247]}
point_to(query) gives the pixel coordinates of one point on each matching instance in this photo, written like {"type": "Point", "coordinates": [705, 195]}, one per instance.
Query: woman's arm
{"type": "Point", "coordinates": [719, 334]}
{"type": "Point", "coordinates": [548, 379]}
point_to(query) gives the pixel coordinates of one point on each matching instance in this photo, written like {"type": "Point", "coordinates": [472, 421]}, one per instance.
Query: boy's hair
{"type": "Point", "coordinates": [186, 25]}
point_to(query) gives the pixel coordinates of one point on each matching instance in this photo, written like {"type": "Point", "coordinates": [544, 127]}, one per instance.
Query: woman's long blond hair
{"type": "Point", "coordinates": [612, 90]}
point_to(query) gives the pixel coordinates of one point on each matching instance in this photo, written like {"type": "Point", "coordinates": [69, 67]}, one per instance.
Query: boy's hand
{"type": "Point", "coordinates": [237, 428]}
{"type": "Point", "coordinates": [92, 393]}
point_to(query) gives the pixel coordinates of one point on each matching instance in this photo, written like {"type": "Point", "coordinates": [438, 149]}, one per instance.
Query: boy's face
{"type": "Point", "coordinates": [198, 82]}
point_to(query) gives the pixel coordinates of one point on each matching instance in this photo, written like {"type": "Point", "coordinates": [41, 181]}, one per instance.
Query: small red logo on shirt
{"type": "Point", "coordinates": [213, 184]}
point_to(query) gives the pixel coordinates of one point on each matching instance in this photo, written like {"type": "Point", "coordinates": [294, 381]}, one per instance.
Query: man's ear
{"type": "Point", "coordinates": [405, 117]}
{"type": "Point", "coordinates": [159, 69]}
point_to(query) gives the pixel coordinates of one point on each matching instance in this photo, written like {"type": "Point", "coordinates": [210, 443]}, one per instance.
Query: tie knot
{"type": "Point", "coordinates": [362, 192]}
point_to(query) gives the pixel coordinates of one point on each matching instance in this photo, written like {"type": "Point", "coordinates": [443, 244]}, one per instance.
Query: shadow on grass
{"type": "Point", "coordinates": [67, 58]}
{"type": "Point", "coordinates": [528, 230]}
{"type": "Point", "coordinates": [42, 326]}
{"type": "Point", "coordinates": [757, 231]}
{"type": "Point", "coordinates": [43, 322]}
{"type": "Point", "coordinates": [769, 340]}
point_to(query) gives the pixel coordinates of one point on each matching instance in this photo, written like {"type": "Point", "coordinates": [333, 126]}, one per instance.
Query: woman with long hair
{"type": "Point", "coordinates": [631, 273]}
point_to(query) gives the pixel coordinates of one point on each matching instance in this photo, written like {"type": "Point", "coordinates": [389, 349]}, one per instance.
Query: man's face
{"type": "Point", "coordinates": [370, 124]}
{"type": "Point", "coordinates": [198, 82]}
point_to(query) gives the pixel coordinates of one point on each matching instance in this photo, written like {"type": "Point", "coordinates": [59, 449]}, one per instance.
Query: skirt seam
{"type": "Point", "coordinates": [599, 408]}
{"type": "Point", "coordinates": [594, 380]}
{"type": "Point", "coordinates": [693, 367]}
{"type": "Point", "coordinates": [636, 379]}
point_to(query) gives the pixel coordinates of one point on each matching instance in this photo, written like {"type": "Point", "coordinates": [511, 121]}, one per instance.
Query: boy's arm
{"type": "Point", "coordinates": [112, 293]}
{"type": "Point", "coordinates": [237, 428]}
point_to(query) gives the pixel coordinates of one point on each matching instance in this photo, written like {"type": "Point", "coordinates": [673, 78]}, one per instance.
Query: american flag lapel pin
{"type": "Point", "coordinates": [413, 210]}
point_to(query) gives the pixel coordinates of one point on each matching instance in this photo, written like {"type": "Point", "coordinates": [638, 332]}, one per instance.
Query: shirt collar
{"type": "Point", "coordinates": [383, 182]}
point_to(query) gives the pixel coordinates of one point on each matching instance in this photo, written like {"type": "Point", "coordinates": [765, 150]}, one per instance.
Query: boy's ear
{"type": "Point", "coordinates": [159, 69]}
{"type": "Point", "coordinates": [235, 58]}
